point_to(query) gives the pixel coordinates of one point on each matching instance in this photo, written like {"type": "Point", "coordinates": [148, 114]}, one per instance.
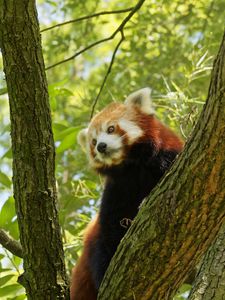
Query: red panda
{"type": "Point", "coordinates": [129, 146]}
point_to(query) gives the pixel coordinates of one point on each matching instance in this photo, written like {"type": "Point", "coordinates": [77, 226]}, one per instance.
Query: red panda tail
{"type": "Point", "coordinates": [82, 285]}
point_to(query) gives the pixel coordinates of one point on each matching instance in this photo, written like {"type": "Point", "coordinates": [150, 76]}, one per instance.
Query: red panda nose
{"type": "Point", "coordinates": [102, 147]}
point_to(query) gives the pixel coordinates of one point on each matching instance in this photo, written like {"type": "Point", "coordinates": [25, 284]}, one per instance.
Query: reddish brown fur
{"type": "Point", "coordinates": [82, 287]}
{"type": "Point", "coordinates": [113, 111]}
{"type": "Point", "coordinates": [162, 136]}
{"type": "Point", "coordinates": [121, 133]}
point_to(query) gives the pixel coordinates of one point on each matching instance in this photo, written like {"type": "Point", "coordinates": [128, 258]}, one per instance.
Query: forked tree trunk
{"type": "Point", "coordinates": [176, 225]}
{"type": "Point", "coordinates": [33, 152]}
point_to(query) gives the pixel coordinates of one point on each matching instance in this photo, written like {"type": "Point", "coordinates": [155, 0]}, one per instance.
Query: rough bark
{"type": "Point", "coordinates": [210, 281]}
{"type": "Point", "coordinates": [176, 225]}
{"type": "Point", "coordinates": [33, 152]}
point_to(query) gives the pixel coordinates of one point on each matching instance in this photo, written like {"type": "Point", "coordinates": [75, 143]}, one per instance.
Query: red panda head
{"type": "Point", "coordinates": [115, 129]}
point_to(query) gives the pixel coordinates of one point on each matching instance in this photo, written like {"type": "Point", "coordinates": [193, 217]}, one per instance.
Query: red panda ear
{"type": "Point", "coordinates": [82, 139]}
{"type": "Point", "coordinates": [141, 99]}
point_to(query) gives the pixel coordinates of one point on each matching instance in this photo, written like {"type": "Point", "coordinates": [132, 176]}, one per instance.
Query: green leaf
{"type": "Point", "coordinates": [3, 91]}
{"type": "Point", "coordinates": [65, 92]}
{"type": "Point", "coordinates": [21, 297]}
{"type": "Point", "coordinates": [8, 153]}
{"type": "Point", "coordinates": [1, 256]}
{"type": "Point", "coordinates": [181, 292]}
{"type": "Point", "coordinates": [64, 133]}
{"type": "Point", "coordinates": [202, 58]}
{"type": "Point", "coordinates": [184, 288]}
{"type": "Point", "coordinates": [53, 103]}
{"type": "Point", "coordinates": [3, 270]}
{"type": "Point", "coordinates": [10, 290]}
{"type": "Point", "coordinates": [58, 127]}
{"type": "Point", "coordinates": [67, 142]}
{"type": "Point", "coordinates": [53, 3]}
{"type": "Point", "coordinates": [7, 212]}
{"type": "Point", "coordinates": [5, 180]}
{"type": "Point", "coordinates": [5, 279]}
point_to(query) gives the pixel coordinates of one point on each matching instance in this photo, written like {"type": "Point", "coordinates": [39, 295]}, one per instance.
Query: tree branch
{"type": "Point", "coordinates": [88, 17]}
{"type": "Point", "coordinates": [107, 73]}
{"type": "Point", "coordinates": [119, 29]}
{"type": "Point", "coordinates": [79, 52]}
{"type": "Point", "coordinates": [10, 244]}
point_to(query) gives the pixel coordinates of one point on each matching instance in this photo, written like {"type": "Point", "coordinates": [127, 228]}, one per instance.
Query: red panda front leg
{"type": "Point", "coordinates": [82, 284]}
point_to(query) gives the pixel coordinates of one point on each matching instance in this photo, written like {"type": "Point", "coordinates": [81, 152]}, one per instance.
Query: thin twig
{"type": "Point", "coordinates": [10, 244]}
{"type": "Point", "coordinates": [134, 10]}
{"type": "Point", "coordinates": [107, 73]}
{"type": "Point", "coordinates": [119, 29]}
{"type": "Point", "coordinates": [88, 17]}
{"type": "Point", "coordinates": [79, 52]}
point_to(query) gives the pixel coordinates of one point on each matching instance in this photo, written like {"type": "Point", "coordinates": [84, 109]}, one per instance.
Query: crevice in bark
{"type": "Point", "coordinates": [209, 282]}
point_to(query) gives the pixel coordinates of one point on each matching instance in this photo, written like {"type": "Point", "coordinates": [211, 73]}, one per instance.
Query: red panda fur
{"type": "Point", "coordinates": [82, 286]}
{"type": "Point", "coordinates": [146, 149]}
{"type": "Point", "coordinates": [162, 136]}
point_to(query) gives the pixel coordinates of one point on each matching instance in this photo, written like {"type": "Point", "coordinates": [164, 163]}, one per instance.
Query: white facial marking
{"type": "Point", "coordinates": [113, 141]}
{"type": "Point", "coordinates": [114, 151]}
{"type": "Point", "coordinates": [94, 133]}
{"type": "Point", "coordinates": [82, 138]}
{"type": "Point", "coordinates": [133, 131]}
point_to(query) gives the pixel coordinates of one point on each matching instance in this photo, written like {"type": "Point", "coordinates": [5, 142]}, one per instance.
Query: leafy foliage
{"type": "Point", "coordinates": [169, 46]}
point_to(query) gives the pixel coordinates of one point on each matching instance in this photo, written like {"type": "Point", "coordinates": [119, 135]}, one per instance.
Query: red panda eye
{"type": "Point", "coordinates": [110, 129]}
{"type": "Point", "coordinates": [94, 142]}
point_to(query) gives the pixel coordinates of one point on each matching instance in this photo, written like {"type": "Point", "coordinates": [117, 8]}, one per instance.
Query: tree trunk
{"type": "Point", "coordinates": [210, 281]}
{"type": "Point", "coordinates": [33, 152]}
{"type": "Point", "coordinates": [176, 225]}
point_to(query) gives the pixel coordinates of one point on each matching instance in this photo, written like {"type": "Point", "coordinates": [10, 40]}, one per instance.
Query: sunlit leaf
{"type": "Point", "coordinates": [5, 279]}
{"type": "Point", "coordinates": [21, 297]}
{"type": "Point", "coordinates": [7, 212]}
{"type": "Point", "coordinates": [8, 154]}
{"type": "Point", "coordinates": [68, 142]}
{"type": "Point", "coordinates": [202, 58]}
{"type": "Point", "coordinates": [10, 290]}
{"type": "Point", "coordinates": [4, 179]}
{"type": "Point", "coordinates": [64, 133]}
